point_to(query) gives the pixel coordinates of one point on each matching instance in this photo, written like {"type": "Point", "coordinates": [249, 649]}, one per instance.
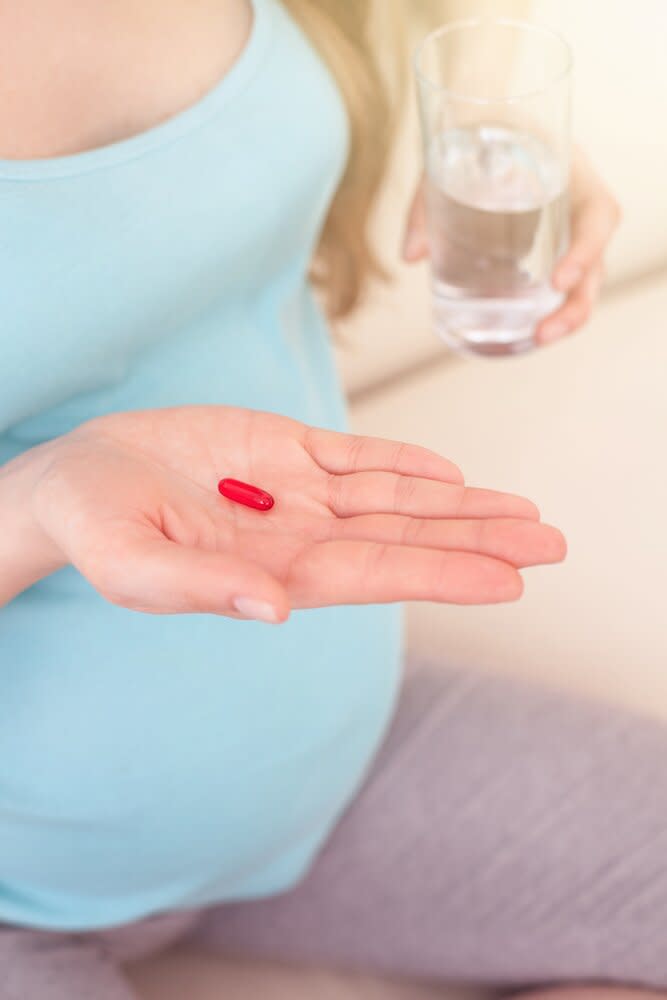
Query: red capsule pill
{"type": "Point", "coordinates": [249, 496]}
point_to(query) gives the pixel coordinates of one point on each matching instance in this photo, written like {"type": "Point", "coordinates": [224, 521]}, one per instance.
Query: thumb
{"type": "Point", "coordinates": [162, 577]}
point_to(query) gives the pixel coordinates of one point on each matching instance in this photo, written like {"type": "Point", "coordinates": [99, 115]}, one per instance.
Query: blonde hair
{"type": "Point", "coordinates": [366, 45]}
{"type": "Point", "coordinates": [342, 32]}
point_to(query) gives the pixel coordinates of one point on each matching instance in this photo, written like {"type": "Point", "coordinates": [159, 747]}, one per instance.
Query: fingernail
{"type": "Point", "coordinates": [260, 611]}
{"type": "Point", "coordinates": [554, 332]}
{"type": "Point", "coordinates": [569, 276]}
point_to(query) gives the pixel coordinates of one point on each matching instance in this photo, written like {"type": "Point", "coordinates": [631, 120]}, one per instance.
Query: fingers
{"type": "Point", "coordinates": [517, 542]}
{"type": "Point", "coordinates": [593, 226]}
{"type": "Point", "coordinates": [345, 572]}
{"type": "Point", "coordinates": [389, 493]}
{"type": "Point", "coordinates": [581, 270]}
{"type": "Point", "coordinates": [415, 241]}
{"type": "Point", "coordinates": [345, 453]}
{"type": "Point", "coordinates": [574, 312]}
{"type": "Point", "coordinates": [162, 577]}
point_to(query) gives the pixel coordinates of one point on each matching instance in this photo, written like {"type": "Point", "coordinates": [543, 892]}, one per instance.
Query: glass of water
{"type": "Point", "coordinates": [494, 98]}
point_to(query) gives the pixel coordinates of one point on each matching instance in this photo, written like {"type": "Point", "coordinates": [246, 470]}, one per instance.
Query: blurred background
{"type": "Point", "coordinates": [580, 427]}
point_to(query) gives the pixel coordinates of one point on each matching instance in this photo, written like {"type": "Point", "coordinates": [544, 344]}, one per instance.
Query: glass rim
{"type": "Point", "coordinates": [508, 22]}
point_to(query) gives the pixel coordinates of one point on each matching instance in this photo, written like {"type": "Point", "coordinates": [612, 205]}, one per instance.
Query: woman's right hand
{"type": "Point", "coordinates": [131, 501]}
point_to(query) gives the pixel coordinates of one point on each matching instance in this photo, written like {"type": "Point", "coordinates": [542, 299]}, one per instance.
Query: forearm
{"type": "Point", "coordinates": [26, 552]}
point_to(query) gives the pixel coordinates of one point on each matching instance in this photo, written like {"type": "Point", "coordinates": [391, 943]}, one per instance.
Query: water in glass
{"type": "Point", "coordinates": [498, 216]}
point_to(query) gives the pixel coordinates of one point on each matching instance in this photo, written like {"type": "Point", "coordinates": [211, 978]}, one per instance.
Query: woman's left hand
{"type": "Point", "coordinates": [595, 216]}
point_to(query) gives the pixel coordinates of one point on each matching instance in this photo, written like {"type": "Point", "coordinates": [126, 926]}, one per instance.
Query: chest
{"type": "Point", "coordinates": [113, 257]}
{"type": "Point", "coordinates": [76, 75]}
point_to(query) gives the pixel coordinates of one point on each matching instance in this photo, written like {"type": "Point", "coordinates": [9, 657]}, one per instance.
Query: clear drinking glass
{"type": "Point", "coordinates": [494, 97]}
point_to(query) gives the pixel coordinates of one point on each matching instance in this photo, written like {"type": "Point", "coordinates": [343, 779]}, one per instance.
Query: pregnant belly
{"type": "Point", "coordinates": [191, 752]}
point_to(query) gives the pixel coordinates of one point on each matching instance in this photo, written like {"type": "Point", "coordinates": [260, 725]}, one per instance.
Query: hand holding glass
{"type": "Point", "coordinates": [495, 109]}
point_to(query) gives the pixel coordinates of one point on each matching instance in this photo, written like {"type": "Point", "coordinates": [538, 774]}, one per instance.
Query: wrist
{"type": "Point", "coordinates": [27, 553]}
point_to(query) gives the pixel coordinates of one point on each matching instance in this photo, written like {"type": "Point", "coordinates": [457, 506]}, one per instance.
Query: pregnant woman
{"type": "Point", "coordinates": [173, 749]}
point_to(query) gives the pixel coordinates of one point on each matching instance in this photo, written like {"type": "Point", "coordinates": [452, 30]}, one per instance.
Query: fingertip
{"type": "Point", "coordinates": [505, 582]}
{"type": "Point", "coordinates": [548, 546]}
{"type": "Point", "coordinates": [454, 475]}
{"type": "Point", "coordinates": [415, 460]}
{"type": "Point", "coordinates": [526, 509]}
{"type": "Point", "coordinates": [496, 582]}
{"type": "Point", "coordinates": [271, 612]}
{"type": "Point", "coordinates": [262, 598]}
{"type": "Point", "coordinates": [558, 545]}
{"type": "Point", "coordinates": [514, 588]}
{"type": "Point", "coordinates": [283, 615]}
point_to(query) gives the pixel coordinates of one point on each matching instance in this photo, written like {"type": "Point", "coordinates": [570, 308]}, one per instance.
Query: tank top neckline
{"type": "Point", "coordinates": [234, 81]}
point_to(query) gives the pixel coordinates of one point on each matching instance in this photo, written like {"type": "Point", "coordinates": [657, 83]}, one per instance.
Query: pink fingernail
{"type": "Point", "coordinates": [260, 611]}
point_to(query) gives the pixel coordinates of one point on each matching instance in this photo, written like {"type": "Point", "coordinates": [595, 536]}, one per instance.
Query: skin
{"type": "Point", "coordinates": [595, 217]}
{"type": "Point", "coordinates": [115, 497]}
{"type": "Point", "coordinates": [130, 499]}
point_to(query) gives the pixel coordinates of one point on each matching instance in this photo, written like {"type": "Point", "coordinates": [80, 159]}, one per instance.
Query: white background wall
{"type": "Point", "coordinates": [620, 52]}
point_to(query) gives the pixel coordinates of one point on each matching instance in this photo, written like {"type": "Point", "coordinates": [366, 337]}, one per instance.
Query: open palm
{"type": "Point", "coordinates": [131, 500]}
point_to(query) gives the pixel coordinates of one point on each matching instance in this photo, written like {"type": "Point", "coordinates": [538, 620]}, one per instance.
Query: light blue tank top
{"type": "Point", "coordinates": [149, 763]}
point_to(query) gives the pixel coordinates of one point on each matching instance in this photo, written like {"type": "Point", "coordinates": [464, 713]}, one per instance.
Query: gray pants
{"type": "Point", "coordinates": [506, 835]}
